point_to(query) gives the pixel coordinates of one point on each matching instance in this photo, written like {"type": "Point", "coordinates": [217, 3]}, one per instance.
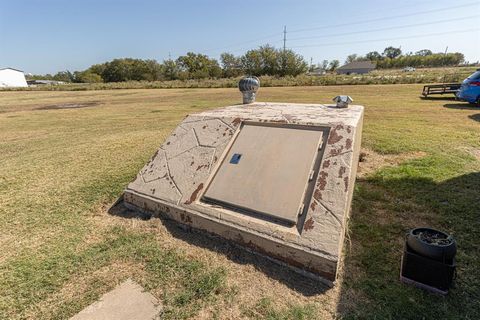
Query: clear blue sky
{"type": "Point", "coordinates": [41, 36]}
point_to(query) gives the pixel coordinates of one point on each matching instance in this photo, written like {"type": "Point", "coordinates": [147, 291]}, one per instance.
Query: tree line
{"type": "Point", "coordinates": [393, 57]}
{"type": "Point", "coordinates": [265, 60]}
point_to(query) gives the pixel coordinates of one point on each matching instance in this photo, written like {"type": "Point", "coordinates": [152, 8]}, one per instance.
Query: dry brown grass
{"type": "Point", "coordinates": [61, 169]}
{"type": "Point", "coordinates": [371, 161]}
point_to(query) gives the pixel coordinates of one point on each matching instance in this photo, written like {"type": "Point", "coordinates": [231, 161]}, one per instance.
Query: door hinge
{"type": "Point", "coordinates": [300, 210]}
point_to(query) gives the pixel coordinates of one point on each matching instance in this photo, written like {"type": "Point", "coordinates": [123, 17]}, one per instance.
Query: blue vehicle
{"type": "Point", "coordinates": [470, 89]}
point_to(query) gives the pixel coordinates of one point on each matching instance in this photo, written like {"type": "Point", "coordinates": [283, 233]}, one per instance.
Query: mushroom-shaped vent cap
{"type": "Point", "coordinates": [249, 84]}
{"type": "Point", "coordinates": [343, 99]}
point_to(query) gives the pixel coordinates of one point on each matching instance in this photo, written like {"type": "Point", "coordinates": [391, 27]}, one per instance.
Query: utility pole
{"type": "Point", "coordinates": [284, 58]}
{"type": "Point", "coordinates": [444, 63]}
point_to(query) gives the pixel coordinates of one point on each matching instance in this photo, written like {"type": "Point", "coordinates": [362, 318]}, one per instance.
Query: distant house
{"type": "Point", "coordinates": [10, 77]}
{"type": "Point", "coordinates": [358, 67]}
{"type": "Point", "coordinates": [316, 72]}
{"type": "Point", "coordinates": [36, 82]}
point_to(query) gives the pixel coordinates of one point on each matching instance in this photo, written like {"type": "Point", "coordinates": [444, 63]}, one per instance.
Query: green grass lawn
{"type": "Point", "coordinates": [61, 169]}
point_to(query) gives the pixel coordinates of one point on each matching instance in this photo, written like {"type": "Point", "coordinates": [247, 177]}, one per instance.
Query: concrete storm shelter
{"type": "Point", "coordinates": [276, 178]}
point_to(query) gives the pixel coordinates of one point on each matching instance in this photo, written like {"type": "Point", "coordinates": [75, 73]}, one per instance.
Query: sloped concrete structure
{"type": "Point", "coordinates": [274, 177]}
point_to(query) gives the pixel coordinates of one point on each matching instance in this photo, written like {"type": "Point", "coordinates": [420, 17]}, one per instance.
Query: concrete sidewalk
{"type": "Point", "coordinates": [128, 301]}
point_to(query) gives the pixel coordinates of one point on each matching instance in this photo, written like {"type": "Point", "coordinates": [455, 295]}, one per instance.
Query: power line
{"type": "Point", "coordinates": [386, 39]}
{"type": "Point", "coordinates": [218, 49]}
{"type": "Point", "coordinates": [376, 10]}
{"type": "Point", "coordinates": [279, 43]}
{"type": "Point", "coordinates": [221, 49]}
{"type": "Point", "coordinates": [384, 29]}
{"type": "Point", "coordinates": [275, 35]}
{"type": "Point", "coordinates": [351, 23]}
{"type": "Point", "coordinates": [388, 18]}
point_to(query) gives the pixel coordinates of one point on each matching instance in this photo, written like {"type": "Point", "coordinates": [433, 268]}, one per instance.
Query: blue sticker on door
{"type": "Point", "coordinates": [235, 158]}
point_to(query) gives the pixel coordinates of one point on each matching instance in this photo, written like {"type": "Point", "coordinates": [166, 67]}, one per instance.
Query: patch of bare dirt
{"type": "Point", "coordinates": [371, 161]}
{"type": "Point", "coordinates": [475, 153]}
{"type": "Point", "coordinates": [75, 105]}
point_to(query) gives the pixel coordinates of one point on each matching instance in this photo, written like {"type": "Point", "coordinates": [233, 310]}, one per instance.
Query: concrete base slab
{"type": "Point", "coordinates": [128, 301]}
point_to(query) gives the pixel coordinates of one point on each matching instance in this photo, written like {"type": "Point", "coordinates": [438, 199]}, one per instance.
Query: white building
{"type": "Point", "coordinates": [10, 77]}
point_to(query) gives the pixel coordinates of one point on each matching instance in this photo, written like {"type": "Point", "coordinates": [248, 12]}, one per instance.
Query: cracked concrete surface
{"type": "Point", "coordinates": [173, 181]}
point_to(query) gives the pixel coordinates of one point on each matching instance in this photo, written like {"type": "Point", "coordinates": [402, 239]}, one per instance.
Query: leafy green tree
{"type": "Point", "coordinates": [433, 60]}
{"type": "Point", "coordinates": [292, 64]}
{"type": "Point", "coordinates": [351, 58]}
{"type": "Point", "coordinates": [333, 65]}
{"type": "Point", "coordinates": [199, 66]}
{"type": "Point", "coordinates": [65, 76]}
{"type": "Point", "coordinates": [424, 52]}
{"type": "Point", "coordinates": [373, 56]}
{"type": "Point", "coordinates": [47, 76]}
{"type": "Point", "coordinates": [118, 70]}
{"type": "Point", "coordinates": [271, 63]}
{"type": "Point", "coordinates": [231, 65]}
{"type": "Point", "coordinates": [128, 69]}
{"type": "Point", "coordinates": [267, 60]}
{"type": "Point", "coordinates": [324, 64]}
{"type": "Point", "coordinates": [98, 68]}
{"type": "Point", "coordinates": [170, 69]}
{"type": "Point", "coordinates": [87, 77]}
{"type": "Point", "coordinates": [392, 52]}
{"type": "Point", "coordinates": [261, 61]}
{"type": "Point", "coordinates": [153, 71]}
{"type": "Point", "coordinates": [252, 63]}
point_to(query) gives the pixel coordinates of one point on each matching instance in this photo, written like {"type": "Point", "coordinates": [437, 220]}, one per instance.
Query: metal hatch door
{"type": "Point", "coordinates": [267, 170]}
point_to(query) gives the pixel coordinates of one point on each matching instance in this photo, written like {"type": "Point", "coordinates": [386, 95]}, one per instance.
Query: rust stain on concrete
{"type": "Point", "coordinates": [308, 224]}
{"type": "Point", "coordinates": [334, 137]}
{"type": "Point", "coordinates": [348, 144]}
{"type": "Point", "coordinates": [317, 195]}
{"type": "Point", "coordinates": [335, 152]}
{"type": "Point", "coordinates": [236, 121]}
{"type": "Point", "coordinates": [186, 218]}
{"type": "Point", "coordinates": [201, 166]}
{"type": "Point", "coordinates": [326, 164]}
{"type": "Point", "coordinates": [342, 171]}
{"type": "Point", "coordinates": [322, 180]}
{"type": "Point", "coordinates": [194, 195]}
